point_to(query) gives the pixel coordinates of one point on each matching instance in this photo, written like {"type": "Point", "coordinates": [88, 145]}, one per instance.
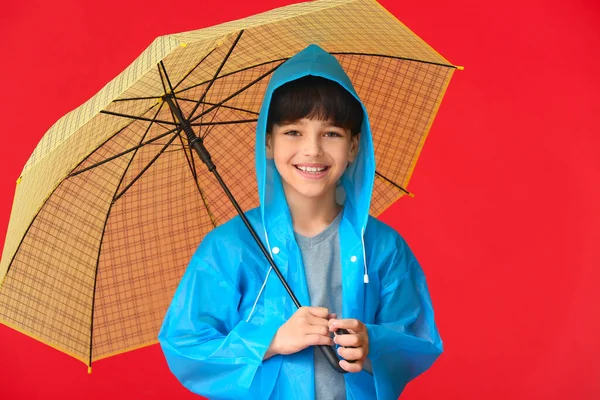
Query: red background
{"type": "Point", "coordinates": [505, 221]}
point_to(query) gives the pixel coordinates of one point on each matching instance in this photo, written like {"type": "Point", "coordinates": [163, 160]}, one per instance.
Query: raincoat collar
{"type": "Point", "coordinates": [356, 183]}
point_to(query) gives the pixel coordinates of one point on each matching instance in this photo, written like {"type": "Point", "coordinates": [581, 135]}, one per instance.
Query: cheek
{"type": "Point", "coordinates": [283, 151]}
{"type": "Point", "coordinates": [282, 157]}
{"type": "Point", "coordinates": [340, 154]}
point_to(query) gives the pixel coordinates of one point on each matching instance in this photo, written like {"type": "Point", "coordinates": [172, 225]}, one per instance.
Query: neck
{"type": "Point", "coordinates": [310, 216]}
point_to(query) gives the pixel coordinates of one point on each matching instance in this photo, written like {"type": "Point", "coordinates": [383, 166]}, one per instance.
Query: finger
{"type": "Point", "coordinates": [320, 312]}
{"type": "Point", "coordinates": [317, 340]}
{"type": "Point", "coordinates": [332, 323]}
{"type": "Point", "coordinates": [338, 331]}
{"type": "Point", "coordinates": [352, 354]}
{"type": "Point", "coordinates": [303, 311]}
{"type": "Point", "coordinates": [351, 367]}
{"type": "Point", "coordinates": [349, 340]}
{"type": "Point", "coordinates": [317, 330]}
{"type": "Point", "coordinates": [312, 320]}
{"type": "Point", "coordinates": [348, 323]}
{"type": "Point", "coordinates": [331, 316]}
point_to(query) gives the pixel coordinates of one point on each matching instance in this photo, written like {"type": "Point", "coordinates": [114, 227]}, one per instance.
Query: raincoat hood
{"type": "Point", "coordinates": [357, 181]}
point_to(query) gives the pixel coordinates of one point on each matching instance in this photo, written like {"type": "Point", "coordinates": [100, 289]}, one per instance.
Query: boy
{"type": "Point", "coordinates": [232, 331]}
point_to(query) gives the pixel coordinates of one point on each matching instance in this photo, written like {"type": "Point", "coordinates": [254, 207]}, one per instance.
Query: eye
{"type": "Point", "coordinates": [332, 134]}
{"type": "Point", "coordinates": [291, 133]}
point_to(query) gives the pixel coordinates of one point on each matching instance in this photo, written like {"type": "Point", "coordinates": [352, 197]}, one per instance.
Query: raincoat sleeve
{"type": "Point", "coordinates": [206, 344]}
{"type": "Point", "coordinates": [403, 341]}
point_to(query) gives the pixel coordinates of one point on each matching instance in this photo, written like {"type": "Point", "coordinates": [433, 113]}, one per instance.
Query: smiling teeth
{"type": "Point", "coordinates": [311, 169]}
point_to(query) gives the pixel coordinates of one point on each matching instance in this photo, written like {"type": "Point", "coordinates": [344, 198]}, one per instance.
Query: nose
{"type": "Point", "coordinates": [312, 146]}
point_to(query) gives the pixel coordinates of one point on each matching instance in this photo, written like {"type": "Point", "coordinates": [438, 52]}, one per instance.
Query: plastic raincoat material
{"type": "Point", "coordinates": [230, 304]}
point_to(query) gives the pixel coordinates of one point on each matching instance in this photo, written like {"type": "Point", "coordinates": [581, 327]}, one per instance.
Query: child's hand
{"type": "Point", "coordinates": [356, 343]}
{"type": "Point", "coordinates": [307, 327]}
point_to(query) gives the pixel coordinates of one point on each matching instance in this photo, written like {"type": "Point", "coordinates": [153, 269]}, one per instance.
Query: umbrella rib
{"type": "Point", "coordinates": [192, 170]}
{"type": "Point", "coordinates": [158, 121]}
{"type": "Point", "coordinates": [394, 57]}
{"type": "Point", "coordinates": [138, 176]}
{"type": "Point", "coordinates": [218, 71]}
{"type": "Point", "coordinates": [161, 64]}
{"type": "Point", "coordinates": [392, 182]}
{"type": "Point", "coordinates": [137, 98]}
{"type": "Point", "coordinates": [123, 153]}
{"type": "Point", "coordinates": [233, 72]}
{"type": "Point", "coordinates": [241, 121]}
{"type": "Point", "coordinates": [177, 147]}
{"type": "Point", "coordinates": [171, 92]}
{"type": "Point", "coordinates": [208, 130]}
{"type": "Point", "coordinates": [193, 69]}
{"type": "Point", "coordinates": [222, 106]}
{"type": "Point", "coordinates": [195, 175]}
{"type": "Point", "coordinates": [162, 79]}
{"type": "Point", "coordinates": [104, 230]}
{"type": "Point", "coordinates": [234, 94]}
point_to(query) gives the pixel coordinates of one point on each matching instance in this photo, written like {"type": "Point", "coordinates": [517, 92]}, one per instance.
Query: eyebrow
{"type": "Point", "coordinates": [327, 124]}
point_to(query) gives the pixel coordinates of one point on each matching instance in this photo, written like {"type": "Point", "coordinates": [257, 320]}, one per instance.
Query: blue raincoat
{"type": "Point", "coordinates": [230, 304]}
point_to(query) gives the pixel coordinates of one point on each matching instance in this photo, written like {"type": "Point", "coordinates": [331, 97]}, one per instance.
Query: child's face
{"type": "Point", "coordinates": [311, 156]}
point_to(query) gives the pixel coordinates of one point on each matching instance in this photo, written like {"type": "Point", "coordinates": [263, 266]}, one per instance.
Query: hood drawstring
{"type": "Point", "coordinates": [366, 275]}
{"type": "Point", "coordinates": [264, 282]}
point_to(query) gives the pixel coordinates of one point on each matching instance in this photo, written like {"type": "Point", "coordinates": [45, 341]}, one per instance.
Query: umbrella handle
{"type": "Point", "coordinates": [330, 355]}
{"type": "Point", "coordinates": [333, 359]}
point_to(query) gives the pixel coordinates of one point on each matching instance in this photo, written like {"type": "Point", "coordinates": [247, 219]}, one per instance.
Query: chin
{"type": "Point", "coordinates": [312, 193]}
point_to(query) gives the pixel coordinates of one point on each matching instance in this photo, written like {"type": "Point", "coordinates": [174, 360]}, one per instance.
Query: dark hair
{"type": "Point", "coordinates": [314, 97]}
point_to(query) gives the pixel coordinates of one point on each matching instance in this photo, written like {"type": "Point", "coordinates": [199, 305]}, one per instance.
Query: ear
{"type": "Point", "coordinates": [354, 142]}
{"type": "Point", "coordinates": [269, 145]}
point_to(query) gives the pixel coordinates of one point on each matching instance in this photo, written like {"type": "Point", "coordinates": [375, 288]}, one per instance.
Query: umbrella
{"type": "Point", "coordinates": [113, 202]}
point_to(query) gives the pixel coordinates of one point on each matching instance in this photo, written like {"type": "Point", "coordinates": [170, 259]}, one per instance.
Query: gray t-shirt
{"type": "Point", "coordinates": [322, 266]}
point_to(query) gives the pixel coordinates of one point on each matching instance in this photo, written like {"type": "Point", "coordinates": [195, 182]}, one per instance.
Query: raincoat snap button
{"type": "Point", "coordinates": [275, 250]}
{"type": "Point", "coordinates": [353, 258]}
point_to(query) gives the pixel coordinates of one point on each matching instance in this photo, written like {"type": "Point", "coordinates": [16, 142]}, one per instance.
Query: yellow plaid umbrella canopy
{"type": "Point", "coordinates": [112, 202]}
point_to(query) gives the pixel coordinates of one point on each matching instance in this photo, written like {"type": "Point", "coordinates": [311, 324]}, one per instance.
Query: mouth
{"type": "Point", "coordinates": [315, 169]}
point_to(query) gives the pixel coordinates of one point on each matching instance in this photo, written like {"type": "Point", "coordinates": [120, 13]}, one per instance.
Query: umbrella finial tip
{"type": "Point", "coordinates": [18, 180]}
{"type": "Point", "coordinates": [460, 68]}
{"type": "Point", "coordinates": [89, 370]}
